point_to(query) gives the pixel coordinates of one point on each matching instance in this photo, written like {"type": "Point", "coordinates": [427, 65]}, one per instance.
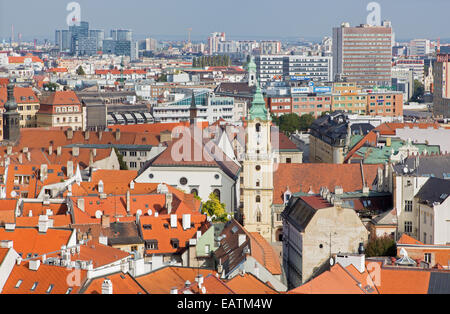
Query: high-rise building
{"type": "Point", "coordinates": [63, 39]}
{"type": "Point", "coordinates": [122, 34]}
{"type": "Point", "coordinates": [99, 35]}
{"type": "Point", "coordinates": [213, 42]}
{"type": "Point", "coordinates": [363, 54]}
{"type": "Point", "coordinates": [77, 32]}
{"type": "Point", "coordinates": [419, 47]}
{"type": "Point", "coordinates": [441, 94]}
{"type": "Point", "coordinates": [269, 67]}
{"type": "Point", "coordinates": [270, 47]}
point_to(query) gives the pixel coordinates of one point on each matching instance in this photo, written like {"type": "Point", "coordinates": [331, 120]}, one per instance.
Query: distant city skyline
{"type": "Point", "coordinates": [249, 19]}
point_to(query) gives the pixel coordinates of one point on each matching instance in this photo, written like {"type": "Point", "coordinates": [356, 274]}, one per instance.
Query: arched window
{"type": "Point", "coordinates": [217, 193]}
{"type": "Point", "coordinates": [194, 191]}
{"type": "Point", "coordinates": [258, 127]}
{"type": "Point", "coordinates": [258, 217]}
{"type": "Point", "coordinates": [258, 199]}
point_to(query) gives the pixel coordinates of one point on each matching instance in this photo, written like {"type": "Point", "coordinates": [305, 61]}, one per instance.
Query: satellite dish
{"type": "Point", "coordinates": [149, 212]}
{"type": "Point", "coordinates": [98, 214]}
{"type": "Point", "coordinates": [139, 212]}
{"type": "Point", "coordinates": [332, 261]}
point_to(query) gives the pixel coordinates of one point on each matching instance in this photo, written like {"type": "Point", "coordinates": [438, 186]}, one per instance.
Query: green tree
{"type": "Point", "coordinates": [305, 121]}
{"type": "Point", "coordinates": [215, 209]}
{"type": "Point", "coordinates": [80, 71]}
{"type": "Point", "coordinates": [381, 246]}
{"type": "Point", "coordinates": [419, 91]}
{"type": "Point", "coordinates": [162, 78]}
{"type": "Point", "coordinates": [123, 164]}
{"type": "Point", "coordinates": [289, 123]}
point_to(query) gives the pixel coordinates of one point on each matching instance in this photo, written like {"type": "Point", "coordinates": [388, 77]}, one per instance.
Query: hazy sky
{"type": "Point", "coordinates": [240, 19]}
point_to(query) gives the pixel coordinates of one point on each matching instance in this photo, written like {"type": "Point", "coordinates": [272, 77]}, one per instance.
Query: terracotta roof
{"type": "Point", "coordinates": [406, 239]}
{"type": "Point", "coordinates": [306, 177]}
{"type": "Point", "coordinates": [22, 95]}
{"type": "Point", "coordinates": [403, 281]}
{"type": "Point", "coordinates": [117, 233]}
{"type": "Point", "coordinates": [59, 221]}
{"type": "Point", "coordinates": [249, 284]}
{"type": "Point", "coordinates": [45, 276]}
{"type": "Point", "coordinates": [161, 231]}
{"type": "Point", "coordinates": [61, 98]}
{"type": "Point", "coordinates": [122, 284]}
{"type": "Point", "coordinates": [316, 202]}
{"type": "Point", "coordinates": [264, 253]}
{"type": "Point", "coordinates": [30, 240]}
{"type": "Point", "coordinates": [391, 128]}
{"type": "Point", "coordinates": [7, 211]}
{"type": "Point", "coordinates": [22, 59]}
{"type": "Point", "coordinates": [163, 280]}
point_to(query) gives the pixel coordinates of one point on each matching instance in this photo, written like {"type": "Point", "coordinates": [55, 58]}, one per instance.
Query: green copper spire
{"type": "Point", "coordinates": [258, 109]}
{"type": "Point", "coordinates": [251, 66]}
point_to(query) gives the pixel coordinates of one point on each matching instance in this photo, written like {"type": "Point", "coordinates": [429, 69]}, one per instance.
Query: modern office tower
{"type": "Point", "coordinates": [98, 34]}
{"type": "Point", "coordinates": [213, 42]}
{"type": "Point", "coordinates": [363, 54]}
{"type": "Point", "coordinates": [419, 47]}
{"type": "Point", "coordinates": [415, 64]}
{"type": "Point", "coordinates": [81, 31]}
{"type": "Point", "coordinates": [314, 68]}
{"type": "Point", "coordinates": [63, 39]}
{"type": "Point", "coordinates": [86, 46]}
{"type": "Point", "coordinates": [122, 34]}
{"type": "Point", "coordinates": [109, 46]}
{"type": "Point", "coordinates": [441, 92]}
{"type": "Point", "coordinates": [269, 67]}
{"type": "Point", "coordinates": [150, 44]}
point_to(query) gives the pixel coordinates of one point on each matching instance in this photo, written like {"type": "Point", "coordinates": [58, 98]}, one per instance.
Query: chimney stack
{"type": "Point", "coordinates": [107, 287]}
{"type": "Point", "coordinates": [44, 170]}
{"type": "Point", "coordinates": [117, 135]}
{"type": "Point", "coordinates": [29, 156]}
{"type": "Point", "coordinates": [70, 168]}
{"type": "Point", "coordinates": [34, 264]}
{"type": "Point", "coordinates": [75, 151]}
{"type": "Point", "coordinates": [128, 201]}
{"type": "Point", "coordinates": [9, 150]}
{"type": "Point", "coordinates": [69, 134]}
{"type": "Point", "coordinates": [105, 221]}
{"type": "Point", "coordinates": [58, 151]}
{"type": "Point", "coordinates": [20, 159]}
{"type": "Point", "coordinates": [50, 150]}
{"type": "Point", "coordinates": [86, 135]}
{"type": "Point", "coordinates": [169, 198]}
{"type": "Point", "coordinates": [100, 134]}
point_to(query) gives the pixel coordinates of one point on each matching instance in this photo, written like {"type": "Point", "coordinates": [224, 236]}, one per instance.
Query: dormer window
{"type": "Point", "coordinates": [175, 243]}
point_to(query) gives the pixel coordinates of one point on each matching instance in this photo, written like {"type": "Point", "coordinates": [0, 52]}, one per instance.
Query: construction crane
{"type": "Point", "coordinates": [189, 35]}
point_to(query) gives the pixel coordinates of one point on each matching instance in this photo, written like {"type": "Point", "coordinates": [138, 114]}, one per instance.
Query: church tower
{"type": "Point", "coordinates": [251, 69]}
{"type": "Point", "coordinates": [258, 169]}
{"type": "Point", "coordinates": [11, 118]}
{"type": "Point", "coordinates": [193, 111]}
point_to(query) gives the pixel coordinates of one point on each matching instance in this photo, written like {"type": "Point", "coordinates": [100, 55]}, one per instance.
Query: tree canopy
{"type": "Point", "coordinates": [80, 71]}
{"type": "Point", "coordinates": [419, 91]}
{"type": "Point", "coordinates": [289, 123]}
{"type": "Point", "coordinates": [381, 246]}
{"type": "Point", "coordinates": [215, 209]}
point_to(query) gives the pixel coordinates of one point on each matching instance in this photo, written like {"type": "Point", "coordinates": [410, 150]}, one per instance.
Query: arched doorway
{"type": "Point", "coordinates": [279, 235]}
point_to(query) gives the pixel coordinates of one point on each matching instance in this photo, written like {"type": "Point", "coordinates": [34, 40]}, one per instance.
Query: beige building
{"type": "Point", "coordinates": [315, 228]}
{"type": "Point", "coordinates": [61, 109]}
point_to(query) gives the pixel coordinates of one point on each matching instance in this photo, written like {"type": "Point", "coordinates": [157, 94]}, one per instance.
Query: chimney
{"type": "Point", "coordinates": [43, 223]}
{"type": "Point", "coordinates": [186, 219]}
{"type": "Point", "coordinates": [58, 150]}
{"type": "Point", "coordinates": [105, 221]}
{"type": "Point", "coordinates": [100, 187]}
{"type": "Point", "coordinates": [25, 150]}
{"type": "Point", "coordinates": [69, 134]}
{"type": "Point", "coordinates": [132, 185]}
{"type": "Point", "coordinates": [107, 287]}
{"type": "Point", "coordinates": [34, 264]}
{"type": "Point", "coordinates": [169, 202]}
{"type": "Point", "coordinates": [20, 159]}
{"type": "Point", "coordinates": [86, 135]}
{"type": "Point", "coordinates": [94, 152]}
{"type": "Point", "coordinates": [6, 244]}
{"type": "Point", "coordinates": [365, 189]}
{"type": "Point", "coordinates": [44, 170]}
{"type": "Point", "coordinates": [117, 135]}
{"type": "Point", "coordinates": [174, 291]}
{"type": "Point", "coordinates": [91, 158]}
{"type": "Point", "coordinates": [128, 201]}
{"type": "Point", "coordinates": [50, 150]}
{"type": "Point", "coordinates": [9, 150]}
{"type": "Point", "coordinates": [199, 280]}
{"type": "Point", "coordinates": [338, 190]}
{"type": "Point", "coordinates": [29, 156]}
{"type": "Point", "coordinates": [75, 151]}
{"type": "Point", "coordinates": [173, 221]}
{"type": "Point", "coordinates": [242, 238]}
{"type": "Point", "coordinates": [70, 168]}
{"type": "Point", "coordinates": [100, 134]}
{"type": "Point", "coordinates": [80, 203]}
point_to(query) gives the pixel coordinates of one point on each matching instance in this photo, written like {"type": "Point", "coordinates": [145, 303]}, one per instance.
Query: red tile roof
{"type": "Point", "coordinates": [122, 284]}
{"type": "Point", "coordinates": [61, 98]}
{"type": "Point", "coordinates": [249, 284]}
{"type": "Point", "coordinates": [306, 177]}
{"type": "Point", "coordinates": [22, 95]}
{"type": "Point", "coordinates": [264, 253]}
{"type": "Point", "coordinates": [45, 276]}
